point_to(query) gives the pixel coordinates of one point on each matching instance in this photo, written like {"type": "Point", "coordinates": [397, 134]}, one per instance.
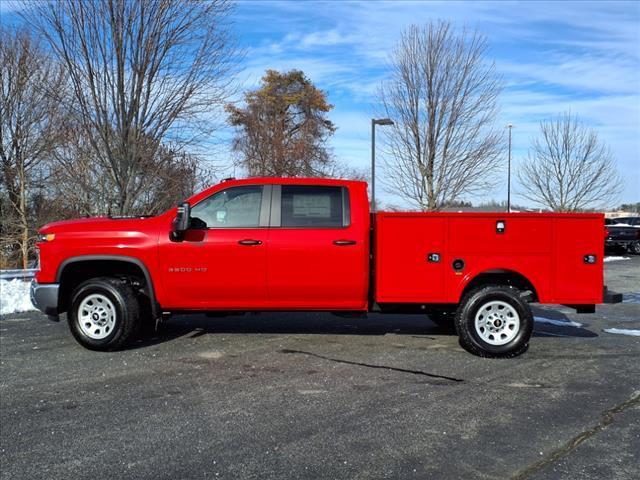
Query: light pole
{"type": "Point", "coordinates": [510, 126]}
{"type": "Point", "coordinates": [374, 122]}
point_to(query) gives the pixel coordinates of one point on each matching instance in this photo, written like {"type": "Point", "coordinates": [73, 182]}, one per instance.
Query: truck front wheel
{"type": "Point", "coordinates": [104, 313]}
{"type": "Point", "coordinates": [495, 322]}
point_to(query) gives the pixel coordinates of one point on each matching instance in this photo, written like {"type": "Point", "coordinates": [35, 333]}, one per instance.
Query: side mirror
{"type": "Point", "coordinates": [182, 221]}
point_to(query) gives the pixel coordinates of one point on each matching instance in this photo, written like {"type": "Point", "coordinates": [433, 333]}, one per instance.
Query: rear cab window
{"type": "Point", "coordinates": [314, 206]}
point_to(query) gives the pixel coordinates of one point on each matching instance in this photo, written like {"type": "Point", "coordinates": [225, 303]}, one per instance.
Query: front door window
{"type": "Point", "coordinates": [235, 207]}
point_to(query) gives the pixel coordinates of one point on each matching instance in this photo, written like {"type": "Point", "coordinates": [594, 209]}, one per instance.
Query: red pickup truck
{"type": "Point", "coordinates": [312, 244]}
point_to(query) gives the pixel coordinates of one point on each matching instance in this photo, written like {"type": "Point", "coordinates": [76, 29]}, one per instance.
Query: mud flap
{"type": "Point", "coordinates": [611, 297]}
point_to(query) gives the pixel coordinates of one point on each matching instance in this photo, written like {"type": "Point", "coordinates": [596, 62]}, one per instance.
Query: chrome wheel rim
{"type": "Point", "coordinates": [497, 322]}
{"type": "Point", "coordinates": [96, 316]}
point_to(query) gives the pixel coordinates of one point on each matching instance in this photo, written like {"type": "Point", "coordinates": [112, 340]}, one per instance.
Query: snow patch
{"type": "Point", "coordinates": [211, 355]}
{"type": "Point", "coordinates": [525, 385]}
{"type": "Point", "coordinates": [561, 323]}
{"type": "Point", "coordinates": [14, 297]}
{"type": "Point", "coordinates": [615, 259]}
{"type": "Point", "coordinates": [631, 297]}
{"type": "Point", "coordinates": [623, 331]}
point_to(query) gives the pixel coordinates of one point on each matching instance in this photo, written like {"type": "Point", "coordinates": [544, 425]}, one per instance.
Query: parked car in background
{"type": "Point", "coordinates": [633, 221]}
{"type": "Point", "coordinates": [623, 234]}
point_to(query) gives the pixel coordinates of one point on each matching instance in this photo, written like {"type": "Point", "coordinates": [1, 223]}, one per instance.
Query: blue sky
{"type": "Point", "coordinates": [553, 57]}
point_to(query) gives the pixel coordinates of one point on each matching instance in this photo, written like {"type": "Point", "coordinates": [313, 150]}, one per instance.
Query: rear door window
{"type": "Point", "coordinates": [313, 206]}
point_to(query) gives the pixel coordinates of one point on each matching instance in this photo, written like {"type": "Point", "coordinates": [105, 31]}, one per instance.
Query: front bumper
{"type": "Point", "coordinates": [45, 298]}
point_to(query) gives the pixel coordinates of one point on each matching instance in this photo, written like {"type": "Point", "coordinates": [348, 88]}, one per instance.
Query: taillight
{"type": "Point", "coordinates": [606, 232]}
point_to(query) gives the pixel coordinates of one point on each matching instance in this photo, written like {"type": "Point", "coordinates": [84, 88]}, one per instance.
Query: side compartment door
{"type": "Point", "coordinates": [222, 261]}
{"type": "Point", "coordinates": [577, 281]}
{"type": "Point", "coordinates": [410, 258]}
{"type": "Point", "coordinates": [318, 254]}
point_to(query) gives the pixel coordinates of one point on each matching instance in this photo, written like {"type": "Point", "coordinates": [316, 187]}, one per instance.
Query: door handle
{"type": "Point", "coordinates": [249, 242]}
{"type": "Point", "coordinates": [344, 243]}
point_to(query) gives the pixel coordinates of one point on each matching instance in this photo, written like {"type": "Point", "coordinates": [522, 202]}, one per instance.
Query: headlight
{"type": "Point", "coordinates": [46, 237]}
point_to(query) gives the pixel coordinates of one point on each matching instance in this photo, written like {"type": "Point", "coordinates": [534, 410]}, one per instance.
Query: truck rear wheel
{"type": "Point", "coordinates": [104, 314]}
{"type": "Point", "coordinates": [495, 322]}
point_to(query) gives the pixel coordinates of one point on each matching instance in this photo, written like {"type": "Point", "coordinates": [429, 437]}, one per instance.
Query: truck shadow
{"type": "Point", "coordinates": [552, 322]}
{"type": "Point", "coordinates": [549, 323]}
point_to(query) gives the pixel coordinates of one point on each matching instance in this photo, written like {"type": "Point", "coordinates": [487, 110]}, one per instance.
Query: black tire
{"type": "Point", "coordinates": [125, 305]}
{"type": "Point", "coordinates": [471, 340]}
{"type": "Point", "coordinates": [444, 319]}
{"type": "Point", "coordinates": [634, 248]}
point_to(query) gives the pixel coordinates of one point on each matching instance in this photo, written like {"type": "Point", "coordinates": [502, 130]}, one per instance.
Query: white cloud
{"type": "Point", "coordinates": [580, 73]}
{"type": "Point", "coordinates": [325, 38]}
{"type": "Point", "coordinates": [10, 6]}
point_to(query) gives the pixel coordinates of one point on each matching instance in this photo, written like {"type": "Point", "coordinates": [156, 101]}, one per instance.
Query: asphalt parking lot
{"type": "Point", "coordinates": [318, 396]}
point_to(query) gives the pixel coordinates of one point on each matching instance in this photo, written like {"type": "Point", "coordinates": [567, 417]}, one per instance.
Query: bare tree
{"type": "Point", "coordinates": [569, 168]}
{"type": "Point", "coordinates": [442, 97]}
{"type": "Point", "coordinates": [178, 177]}
{"type": "Point", "coordinates": [29, 116]}
{"type": "Point", "coordinates": [78, 176]}
{"type": "Point", "coordinates": [81, 187]}
{"type": "Point", "coordinates": [143, 73]}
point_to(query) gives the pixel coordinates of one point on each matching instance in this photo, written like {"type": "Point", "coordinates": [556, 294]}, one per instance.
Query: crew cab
{"type": "Point", "coordinates": [297, 244]}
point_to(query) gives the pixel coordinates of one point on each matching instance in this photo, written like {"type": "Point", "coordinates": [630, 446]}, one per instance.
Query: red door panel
{"type": "Point", "coordinates": [477, 234]}
{"type": "Point", "coordinates": [318, 256]}
{"type": "Point", "coordinates": [576, 281]}
{"type": "Point", "coordinates": [404, 272]}
{"type": "Point", "coordinates": [308, 270]}
{"type": "Point", "coordinates": [212, 269]}
{"type": "Point", "coordinates": [221, 263]}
